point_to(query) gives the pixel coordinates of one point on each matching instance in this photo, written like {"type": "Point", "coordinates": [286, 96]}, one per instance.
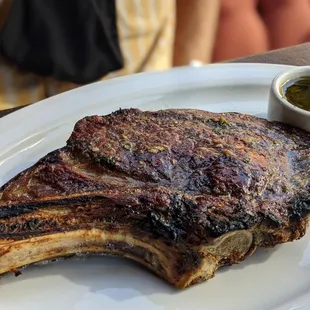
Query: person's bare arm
{"type": "Point", "coordinates": [196, 25]}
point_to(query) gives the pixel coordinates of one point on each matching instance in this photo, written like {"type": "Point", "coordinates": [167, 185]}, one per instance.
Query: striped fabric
{"type": "Point", "coordinates": [146, 29]}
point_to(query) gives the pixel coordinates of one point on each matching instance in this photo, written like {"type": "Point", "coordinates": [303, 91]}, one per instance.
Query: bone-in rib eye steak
{"type": "Point", "coordinates": [181, 191]}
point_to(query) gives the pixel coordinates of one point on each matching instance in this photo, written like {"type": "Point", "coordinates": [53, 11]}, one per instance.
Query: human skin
{"type": "Point", "coordinates": [241, 31]}
{"type": "Point", "coordinates": [288, 21]}
{"type": "Point", "coordinates": [255, 26]}
{"type": "Point", "coordinates": [196, 24]}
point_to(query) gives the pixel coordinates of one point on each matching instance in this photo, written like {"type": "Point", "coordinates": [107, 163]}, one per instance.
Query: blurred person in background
{"type": "Point", "coordinates": [248, 27]}
{"type": "Point", "coordinates": [50, 46]}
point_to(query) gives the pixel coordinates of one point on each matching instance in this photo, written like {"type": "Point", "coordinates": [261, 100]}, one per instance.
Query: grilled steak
{"type": "Point", "coordinates": [183, 192]}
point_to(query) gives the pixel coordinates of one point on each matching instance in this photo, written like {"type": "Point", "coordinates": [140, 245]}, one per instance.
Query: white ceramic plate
{"type": "Point", "coordinates": [277, 278]}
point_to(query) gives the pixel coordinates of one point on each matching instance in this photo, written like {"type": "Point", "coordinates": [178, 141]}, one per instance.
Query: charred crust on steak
{"type": "Point", "coordinates": [183, 178]}
{"type": "Point", "coordinates": [226, 190]}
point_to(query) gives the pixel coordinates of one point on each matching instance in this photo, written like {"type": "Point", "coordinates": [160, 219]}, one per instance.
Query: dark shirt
{"type": "Point", "coordinates": [69, 40]}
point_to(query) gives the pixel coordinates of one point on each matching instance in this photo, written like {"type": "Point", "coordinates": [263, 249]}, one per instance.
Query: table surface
{"type": "Point", "coordinates": [297, 56]}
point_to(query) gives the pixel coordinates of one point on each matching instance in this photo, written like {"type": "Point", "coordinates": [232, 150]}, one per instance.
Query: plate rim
{"type": "Point", "coordinates": [143, 75]}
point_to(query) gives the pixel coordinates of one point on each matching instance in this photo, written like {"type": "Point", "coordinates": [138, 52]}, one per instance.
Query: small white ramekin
{"type": "Point", "coordinates": [279, 109]}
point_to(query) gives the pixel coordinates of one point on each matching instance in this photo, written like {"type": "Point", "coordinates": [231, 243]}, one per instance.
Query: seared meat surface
{"type": "Point", "coordinates": [180, 191]}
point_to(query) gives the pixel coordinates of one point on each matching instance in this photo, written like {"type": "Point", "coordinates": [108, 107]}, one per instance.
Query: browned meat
{"type": "Point", "coordinates": [180, 191]}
